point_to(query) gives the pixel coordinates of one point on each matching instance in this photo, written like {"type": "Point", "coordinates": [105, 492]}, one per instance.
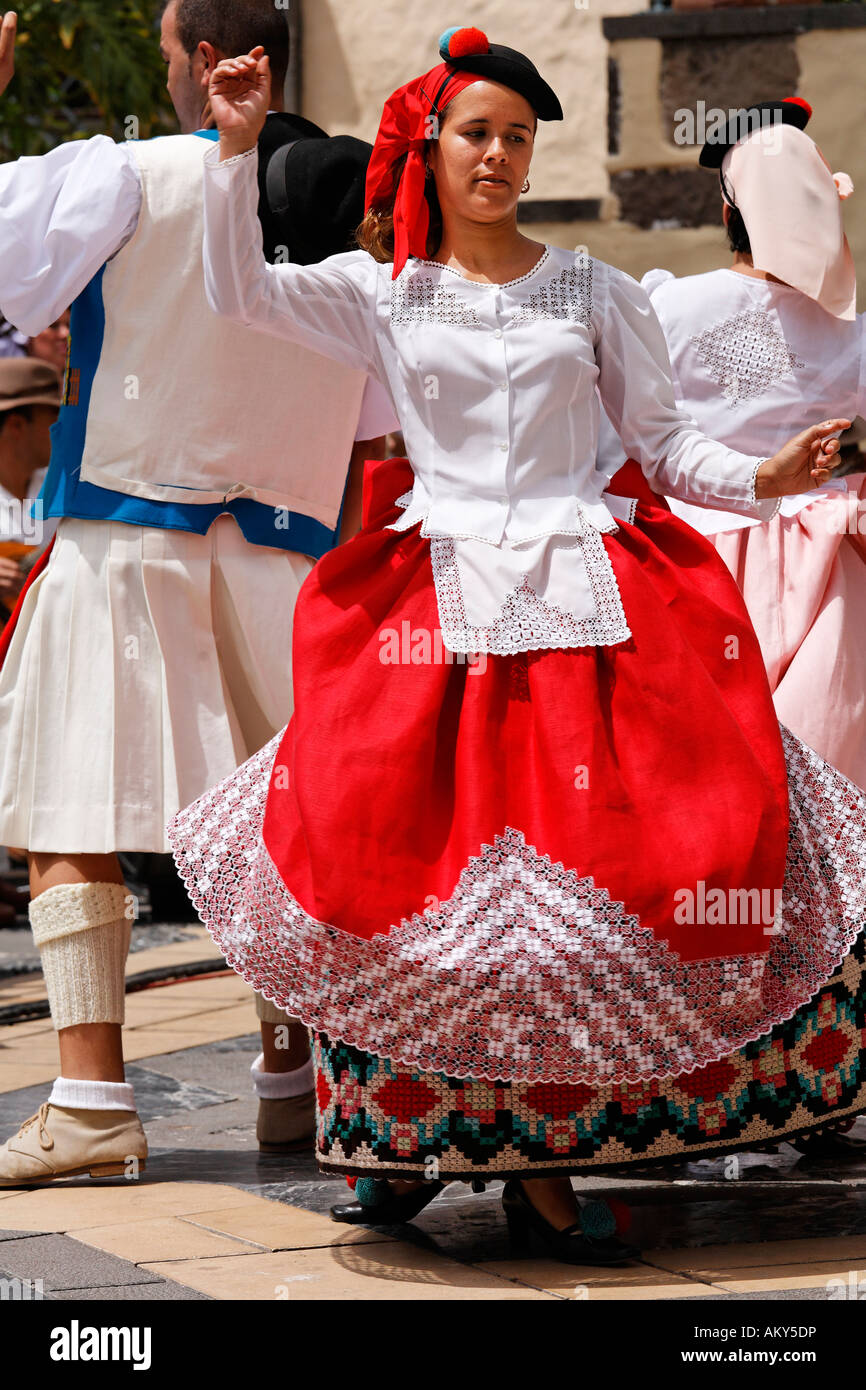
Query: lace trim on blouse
{"type": "Point", "coordinates": [505, 285]}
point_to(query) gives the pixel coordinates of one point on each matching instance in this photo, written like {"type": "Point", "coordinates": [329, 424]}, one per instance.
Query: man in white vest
{"type": "Point", "coordinates": [198, 471]}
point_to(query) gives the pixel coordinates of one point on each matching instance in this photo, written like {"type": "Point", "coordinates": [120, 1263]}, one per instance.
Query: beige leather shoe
{"type": "Point", "coordinates": [286, 1125]}
{"type": "Point", "coordinates": [60, 1143]}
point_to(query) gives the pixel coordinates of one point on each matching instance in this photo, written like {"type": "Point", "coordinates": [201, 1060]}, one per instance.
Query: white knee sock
{"type": "Point", "coordinates": [83, 937]}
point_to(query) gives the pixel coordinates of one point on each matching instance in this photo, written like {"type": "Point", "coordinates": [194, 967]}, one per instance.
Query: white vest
{"type": "Point", "coordinates": [187, 407]}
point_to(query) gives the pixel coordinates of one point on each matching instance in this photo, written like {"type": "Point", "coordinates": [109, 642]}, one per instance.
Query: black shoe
{"type": "Point", "coordinates": [830, 1143]}
{"type": "Point", "coordinates": [573, 1245]}
{"type": "Point", "coordinates": [392, 1209]}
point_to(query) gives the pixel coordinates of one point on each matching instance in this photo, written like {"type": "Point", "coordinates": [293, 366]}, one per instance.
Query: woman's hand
{"type": "Point", "coordinates": [8, 30]}
{"type": "Point", "coordinates": [240, 96]}
{"type": "Point", "coordinates": [805, 462]}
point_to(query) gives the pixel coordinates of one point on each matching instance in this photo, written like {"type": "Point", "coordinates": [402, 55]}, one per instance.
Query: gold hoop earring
{"type": "Point", "coordinates": [526, 187]}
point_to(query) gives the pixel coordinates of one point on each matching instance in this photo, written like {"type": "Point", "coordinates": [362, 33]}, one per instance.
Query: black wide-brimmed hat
{"type": "Point", "coordinates": [469, 50]}
{"type": "Point", "coordinates": [789, 111]}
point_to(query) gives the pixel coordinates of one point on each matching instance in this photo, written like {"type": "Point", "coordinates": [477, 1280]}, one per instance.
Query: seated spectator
{"type": "Point", "coordinates": [29, 403]}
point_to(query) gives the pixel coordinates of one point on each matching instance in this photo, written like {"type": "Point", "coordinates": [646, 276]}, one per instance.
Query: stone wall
{"type": "Point", "coordinates": [611, 176]}
{"type": "Point", "coordinates": [668, 210]}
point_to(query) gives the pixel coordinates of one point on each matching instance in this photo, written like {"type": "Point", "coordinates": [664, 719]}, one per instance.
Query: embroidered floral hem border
{"type": "Point", "coordinates": [528, 973]}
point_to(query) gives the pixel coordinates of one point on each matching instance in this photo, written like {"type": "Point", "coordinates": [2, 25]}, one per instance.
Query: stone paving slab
{"type": "Point", "coordinates": [64, 1264]}
{"type": "Point", "coordinates": [26, 1293]}
{"type": "Point", "coordinates": [390, 1271]}
{"type": "Point", "coordinates": [77, 1204]}
{"type": "Point", "coordinates": [160, 1291]}
{"type": "Point", "coordinates": [162, 1238]}
{"type": "Point", "coordinates": [586, 1283]}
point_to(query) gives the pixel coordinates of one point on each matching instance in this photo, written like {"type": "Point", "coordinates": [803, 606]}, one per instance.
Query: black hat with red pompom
{"type": "Point", "coordinates": [470, 50]}
{"type": "Point", "coordinates": [789, 111]}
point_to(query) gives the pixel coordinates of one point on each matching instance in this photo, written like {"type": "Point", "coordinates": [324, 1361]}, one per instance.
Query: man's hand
{"type": "Point", "coordinates": [11, 580]}
{"type": "Point", "coordinates": [805, 462]}
{"type": "Point", "coordinates": [8, 30]}
{"type": "Point", "coordinates": [240, 95]}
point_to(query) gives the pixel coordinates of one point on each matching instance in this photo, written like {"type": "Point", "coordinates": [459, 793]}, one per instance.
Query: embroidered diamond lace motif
{"type": "Point", "coordinates": [526, 622]}
{"type": "Point", "coordinates": [746, 354]}
{"type": "Point", "coordinates": [567, 295]}
{"type": "Point", "coordinates": [528, 972]}
{"type": "Point", "coordinates": [419, 299]}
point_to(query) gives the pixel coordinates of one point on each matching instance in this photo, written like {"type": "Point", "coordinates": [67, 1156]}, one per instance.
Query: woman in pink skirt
{"type": "Point", "coordinates": [756, 349]}
{"type": "Point", "coordinates": [533, 827]}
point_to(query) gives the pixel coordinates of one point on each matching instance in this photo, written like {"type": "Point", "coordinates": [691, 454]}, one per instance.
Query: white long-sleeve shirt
{"type": "Point", "coordinates": [495, 387]}
{"type": "Point", "coordinates": [63, 215]}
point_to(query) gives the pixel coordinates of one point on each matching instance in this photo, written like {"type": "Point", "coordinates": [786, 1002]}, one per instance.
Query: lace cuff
{"type": "Point", "coordinates": [766, 507]}
{"type": "Point", "coordinates": [213, 160]}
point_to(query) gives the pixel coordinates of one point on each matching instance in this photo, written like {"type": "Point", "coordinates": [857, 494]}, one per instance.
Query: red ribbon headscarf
{"type": "Point", "coordinates": [405, 128]}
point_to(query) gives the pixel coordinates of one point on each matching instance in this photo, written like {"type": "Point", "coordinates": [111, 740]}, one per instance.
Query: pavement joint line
{"type": "Point", "coordinates": [714, 1274]}
{"type": "Point", "coordinates": [512, 1279]}
{"type": "Point", "coordinates": [519, 1283]}
{"type": "Point", "coordinates": [687, 1274]}
{"type": "Point", "coordinates": [284, 1249]}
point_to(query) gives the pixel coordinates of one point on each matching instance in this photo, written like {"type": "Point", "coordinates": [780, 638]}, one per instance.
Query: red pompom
{"type": "Point", "coordinates": [467, 42]}
{"type": "Point", "coordinates": [798, 101]}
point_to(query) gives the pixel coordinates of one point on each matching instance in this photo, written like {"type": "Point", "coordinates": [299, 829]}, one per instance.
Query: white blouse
{"type": "Point", "coordinates": [754, 363]}
{"type": "Point", "coordinates": [496, 388]}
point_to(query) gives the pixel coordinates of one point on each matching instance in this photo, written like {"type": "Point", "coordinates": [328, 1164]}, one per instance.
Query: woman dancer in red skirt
{"type": "Point", "coordinates": [533, 823]}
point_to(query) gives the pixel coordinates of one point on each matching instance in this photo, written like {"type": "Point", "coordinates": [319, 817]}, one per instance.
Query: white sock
{"type": "Point", "coordinates": [282, 1085]}
{"type": "Point", "coordinates": [92, 1095]}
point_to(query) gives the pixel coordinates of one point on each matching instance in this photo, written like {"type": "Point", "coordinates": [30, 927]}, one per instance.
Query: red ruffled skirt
{"type": "Point", "coordinates": [589, 865]}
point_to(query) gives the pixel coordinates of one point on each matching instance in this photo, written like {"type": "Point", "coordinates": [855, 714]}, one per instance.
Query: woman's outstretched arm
{"type": "Point", "coordinates": [678, 458]}
{"type": "Point", "coordinates": [329, 308]}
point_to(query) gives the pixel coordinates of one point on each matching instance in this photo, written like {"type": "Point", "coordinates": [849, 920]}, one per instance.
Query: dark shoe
{"type": "Point", "coordinates": [575, 1245]}
{"type": "Point", "coordinates": [382, 1207]}
{"type": "Point", "coordinates": [834, 1141]}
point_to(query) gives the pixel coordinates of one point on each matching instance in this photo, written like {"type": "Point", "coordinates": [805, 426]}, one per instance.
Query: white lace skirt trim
{"type": "Point", "coordinates": [528, 972]}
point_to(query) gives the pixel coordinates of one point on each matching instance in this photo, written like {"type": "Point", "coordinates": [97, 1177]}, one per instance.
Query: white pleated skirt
{"type": "Point", "coordinates": [147, 665]}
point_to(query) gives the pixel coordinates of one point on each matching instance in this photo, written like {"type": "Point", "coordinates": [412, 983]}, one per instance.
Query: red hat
{"type": "Point", "coordinates": [408, 124]}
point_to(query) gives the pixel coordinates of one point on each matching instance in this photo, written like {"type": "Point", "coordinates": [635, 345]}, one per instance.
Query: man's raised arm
{"type": "Point", "coordinates": [8, 30]}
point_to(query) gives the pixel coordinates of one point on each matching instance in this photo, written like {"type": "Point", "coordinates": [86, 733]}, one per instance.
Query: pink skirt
{"type": "Point", "coordinates": [804, 581]}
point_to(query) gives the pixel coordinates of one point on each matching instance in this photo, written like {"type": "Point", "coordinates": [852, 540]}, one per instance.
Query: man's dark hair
{"type": "Point", "coordinates": [26, 411]}
{"type": "Point", "coordinates": [234, 27]}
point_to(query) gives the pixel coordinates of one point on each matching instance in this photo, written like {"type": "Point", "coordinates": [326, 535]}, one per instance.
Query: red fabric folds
{"type": "Point", "coordinates": [651, 767]}
{"type": "Point", "coordinates": [9, 630]}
